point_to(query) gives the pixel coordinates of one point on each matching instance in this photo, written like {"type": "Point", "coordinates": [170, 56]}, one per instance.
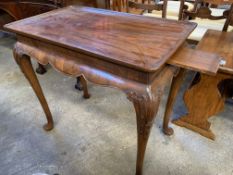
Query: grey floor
{"type": "Point", "coordinates": [96, 136]}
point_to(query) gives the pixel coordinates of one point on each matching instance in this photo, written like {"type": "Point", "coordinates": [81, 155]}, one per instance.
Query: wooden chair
{"type": "Point", "coordinates": [146, 6]}
{"type": "Point", "coordinates": [118, 5]}
{"type": "Point", "coordinates": [206, 17]}
{"type": "Point", "coordinates": [173, 9]}
{"type": "Point", "coordinates": [138, 6]}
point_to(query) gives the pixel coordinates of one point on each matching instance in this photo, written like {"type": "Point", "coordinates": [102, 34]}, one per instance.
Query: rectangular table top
{"type": "Point", "coordinates": [220, 43]}
{"type": "Point", "coordinates": [219, 1]}
{"type": "Point", "coordinates": [136, 41]}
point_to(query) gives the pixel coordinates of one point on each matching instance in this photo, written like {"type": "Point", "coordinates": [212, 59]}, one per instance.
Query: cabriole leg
{"type": "Point", "coordinates": [25, 65]}
{"type": "Point", "coordinates": [146, 103]}
{"type": "Point", "coordinates": [146, 108]}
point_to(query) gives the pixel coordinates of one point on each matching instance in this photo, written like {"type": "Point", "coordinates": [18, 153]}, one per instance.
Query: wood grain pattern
{"type": "Point", "coordinates": [69, 43]}
{"type": "Point", "coordinates": [203, 100]}
{"type": "Point", "coordinates": [144, 94]}
{"type": "Point", "coordinates": [206, 95]}
{"type": "Point", "coordinates": [221, 43]}
{"type": "Point", "coordinates": [16, 10]}
{"type": "Point", "coordinates": [205, 62]}
{"type": "Point", "coordinates": [142, 43]}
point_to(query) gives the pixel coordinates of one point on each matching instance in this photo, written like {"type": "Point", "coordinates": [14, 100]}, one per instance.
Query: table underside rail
{"type": "Point", "coordinates": [144, 96]}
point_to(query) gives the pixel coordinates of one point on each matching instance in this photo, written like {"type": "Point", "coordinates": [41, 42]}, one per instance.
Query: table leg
{"type": "Point", "coordinates": [146, 106]}
{"type": "Point", "coordinates": [81, 84]}
{"type": "Point", "coordinates": [175, 86]}
{"type": "Point", "coordinates": [146, 110]}
{"type": "Point", "coordinates": [145, 96]}
{"type": "Point", "coordinates": [25, 65]}
{"type": "Point", "coordinates": [78, 84]}
{"type": "Point", "coordinates": [41, 69]}
{"type": "Point", "coordinates": [85, 89]}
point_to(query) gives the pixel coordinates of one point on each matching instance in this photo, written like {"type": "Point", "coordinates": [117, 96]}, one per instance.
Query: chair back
{"type": "Point", "coordinates": [118, 5]}
{"type": "Point", "coordinates": [137, 6]}
{"type": "Point", "coordinates": [202, 9]}
{"type": "Point", "coordinates": [147, 5]}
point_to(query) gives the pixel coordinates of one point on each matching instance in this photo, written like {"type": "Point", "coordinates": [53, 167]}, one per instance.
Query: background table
{"type": "Point", "coordinates": [207, 94]}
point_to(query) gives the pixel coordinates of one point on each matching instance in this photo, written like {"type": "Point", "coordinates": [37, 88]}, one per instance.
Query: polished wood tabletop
{"type": "Point", "coordinates": [122, 38]}
{"type": "Point", "coordinates": [119, 50]}
{"type": "Point", "coordinates": [220, 43]}
{"type": "Point", "coordinates": [205, 97]}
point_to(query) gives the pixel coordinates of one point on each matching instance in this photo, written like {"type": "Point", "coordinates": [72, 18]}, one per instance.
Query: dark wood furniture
{"type": "Point", "coordinates": [129, 6]}
{"type": "Point", "coordinates": [106, 53]}
{"type": "Point", "coordinates": [137, 6]}
{"type": "Point", "coordinates": [120, 50]}
{"type": "Point", "coordinates": [206, 17]}
{"type": "Point", "coordinates": [13, 10]}
{"type": "Point", "coordinates": [133, 6]}
{"type": "Point", "coordinates": [202, 9]}
{"type": "Point", "coordinates": [19, 9]}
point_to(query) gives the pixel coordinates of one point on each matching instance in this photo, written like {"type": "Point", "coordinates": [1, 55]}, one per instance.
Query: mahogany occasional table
{"type": "Point", "coordinates": [109, 48]}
